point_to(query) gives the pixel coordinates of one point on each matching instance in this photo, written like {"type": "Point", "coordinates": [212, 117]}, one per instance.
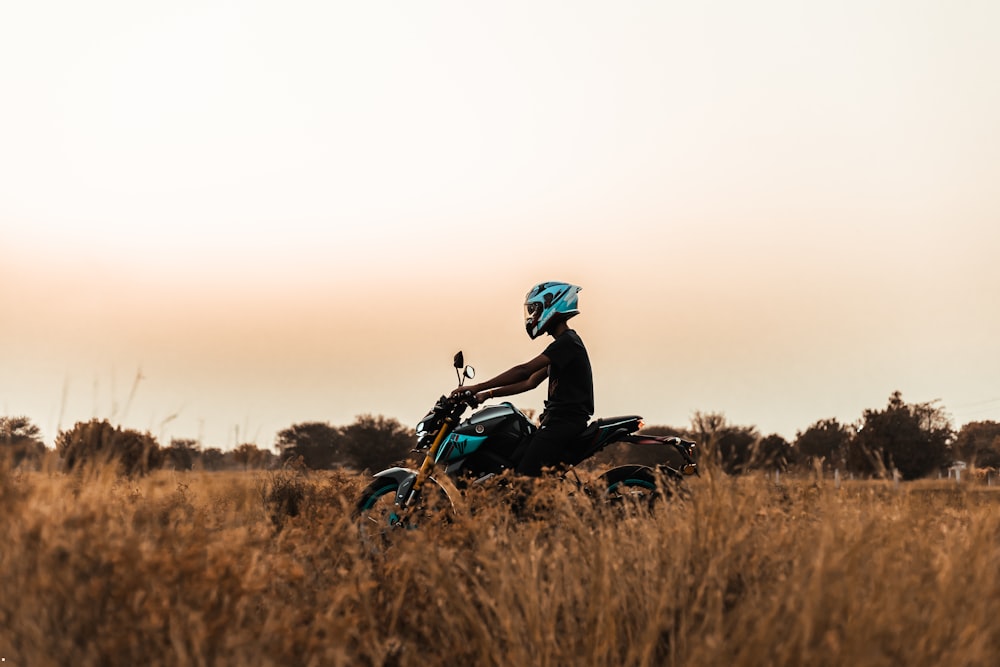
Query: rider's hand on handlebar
{"type": "Point", "coordinates": [462, 393]}
{"type": "Point", "coordinates": [470, 397]}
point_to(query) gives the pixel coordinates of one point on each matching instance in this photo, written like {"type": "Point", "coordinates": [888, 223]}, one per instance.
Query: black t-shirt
{"type": "Point", "coordinates": [571, 380]}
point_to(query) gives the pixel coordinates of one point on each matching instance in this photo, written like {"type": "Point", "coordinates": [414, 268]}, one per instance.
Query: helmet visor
{"type": "Point", "coordinates": [532, 311]}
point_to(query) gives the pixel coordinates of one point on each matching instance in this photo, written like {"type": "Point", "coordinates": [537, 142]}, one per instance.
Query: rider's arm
{"type": "Point", "coordinates": [522, 375]}
{"type": "Point", "coordinates": [516, 388]}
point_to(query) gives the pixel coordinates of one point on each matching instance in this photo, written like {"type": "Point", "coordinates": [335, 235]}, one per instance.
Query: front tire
{"type": "Point", "coordinates": [376, 513]}
{"type": "Point", "coordinates": [378, 501]}
{"type": "Point", "coordinates": [378, 516]}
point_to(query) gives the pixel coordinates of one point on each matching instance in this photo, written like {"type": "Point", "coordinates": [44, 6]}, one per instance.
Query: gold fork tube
{"type": "Point", "coordinates": [425, 468]}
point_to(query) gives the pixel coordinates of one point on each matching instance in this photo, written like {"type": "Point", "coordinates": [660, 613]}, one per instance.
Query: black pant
{"type": "Point", "coordinates": [546, 445]}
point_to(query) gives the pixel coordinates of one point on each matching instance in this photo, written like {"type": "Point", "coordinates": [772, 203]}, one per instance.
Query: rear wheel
{"type": "Point", "coordinates": [630, 486]}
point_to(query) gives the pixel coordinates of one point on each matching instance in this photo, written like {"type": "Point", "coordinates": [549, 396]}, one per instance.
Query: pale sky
{"type": "Point", "coordinates": [218, 219]}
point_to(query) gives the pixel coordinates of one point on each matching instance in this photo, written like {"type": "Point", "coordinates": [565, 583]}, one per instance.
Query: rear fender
{"type": "Point", "coordinates": [656, 440]}
{"type": "Point", "coordinates": [685, 447]}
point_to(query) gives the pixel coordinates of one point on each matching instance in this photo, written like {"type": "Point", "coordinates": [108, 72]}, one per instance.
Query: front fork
{"type": "Point", "coordinates": [425, 468]}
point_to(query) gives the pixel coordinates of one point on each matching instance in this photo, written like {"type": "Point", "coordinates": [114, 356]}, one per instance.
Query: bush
{"type": "Point", "coordinates": [20, 441]}
{"type": "Point", "coordinates": [181, 454]}
{"type": "Point", "coordinates": [283, 494]}
{"type": "Point", "coordinates": [98, 442]}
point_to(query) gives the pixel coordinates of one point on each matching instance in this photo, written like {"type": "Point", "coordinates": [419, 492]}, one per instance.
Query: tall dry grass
{"type": "Point", "coordinates": [219, 569]}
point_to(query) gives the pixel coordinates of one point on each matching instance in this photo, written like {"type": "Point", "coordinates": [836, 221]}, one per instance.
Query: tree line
{"type": "Point", "coordinates": [369, 443]}
{"type": "Point", "coordinates": [913, 439]}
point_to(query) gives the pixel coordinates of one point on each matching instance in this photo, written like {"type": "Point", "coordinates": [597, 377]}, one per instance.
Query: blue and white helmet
{"type": "Point", "coordinates": [548, 300]}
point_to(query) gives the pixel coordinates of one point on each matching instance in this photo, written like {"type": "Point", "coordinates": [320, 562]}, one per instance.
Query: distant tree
{"type": "Point", "coordinates": [773, 452]}
{"type": "Point", "coordinates": [912, 438]}
{"type": "Point", "coordinates": [212, 458]}
{"type": "Point", "coordinates": [98, 441]}
{"type": "Point", "coordinates": [320, 445]}
{"type": "Point", "coordinates": [827, 439]}
{"type": "Point", "coordinates": [181, 454]}
{"type": "Point", "coordinates": [250, 455]}
{"type": "Point", "coordinates": [733, 448]}
{"type": "Point", "coordinates": [738, 448]}
{"type": "Point", "coordinates": [706, 428]}
{"type": "Point", "coordinates": [374, 443]}
{"type": "Point", "coordinates": [20, 441]}
{"type": "Point", "coordinates": [978, 443]}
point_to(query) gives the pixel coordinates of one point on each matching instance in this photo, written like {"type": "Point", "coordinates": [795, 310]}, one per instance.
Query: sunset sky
{"type": "Point", "coordinates": [218, 219]}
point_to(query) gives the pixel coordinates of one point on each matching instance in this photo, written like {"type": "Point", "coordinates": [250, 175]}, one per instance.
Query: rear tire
{"type": "Point", "coordinates": [630, 487]}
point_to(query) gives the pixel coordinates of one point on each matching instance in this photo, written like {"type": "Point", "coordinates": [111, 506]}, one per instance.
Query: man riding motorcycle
{"type": "Point", "coordinates": [566, 364]}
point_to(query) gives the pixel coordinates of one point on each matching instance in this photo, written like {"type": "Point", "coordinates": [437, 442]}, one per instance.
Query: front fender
{"type": "Point", "coordinates": [405, 477]}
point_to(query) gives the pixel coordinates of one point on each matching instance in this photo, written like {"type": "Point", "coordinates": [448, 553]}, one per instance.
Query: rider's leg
{"type": "Point", "coordinates": [548, 443]}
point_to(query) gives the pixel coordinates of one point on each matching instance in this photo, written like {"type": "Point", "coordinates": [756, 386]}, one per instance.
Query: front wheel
{"type": "Point", "coordinates": [377, 505]}
{"type": "Point", "coordinates": [378, 516]}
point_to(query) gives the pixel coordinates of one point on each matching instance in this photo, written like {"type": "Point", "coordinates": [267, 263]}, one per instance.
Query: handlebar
{"type": "Point", "coordinates": [465, 398]}
{"type": "Point", "coordinates": [468, 398]}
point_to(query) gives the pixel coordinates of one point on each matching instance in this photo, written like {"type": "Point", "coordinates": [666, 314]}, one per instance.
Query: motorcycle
{"type": "Point", "coordinates": [488, 443]}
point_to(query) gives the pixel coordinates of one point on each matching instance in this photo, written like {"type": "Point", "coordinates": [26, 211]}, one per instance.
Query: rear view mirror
{"type": "Point", "coordinates": [459, 359]}
{"type": "Point", "coordinates": [470, 372]}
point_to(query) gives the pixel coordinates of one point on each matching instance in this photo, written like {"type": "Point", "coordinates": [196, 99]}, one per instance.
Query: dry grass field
{"type": "Point", "coordinates": [212, 569]}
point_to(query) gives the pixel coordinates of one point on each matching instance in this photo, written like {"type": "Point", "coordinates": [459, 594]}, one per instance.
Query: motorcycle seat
{"type": "Point", "coordinates": [587, 442]}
